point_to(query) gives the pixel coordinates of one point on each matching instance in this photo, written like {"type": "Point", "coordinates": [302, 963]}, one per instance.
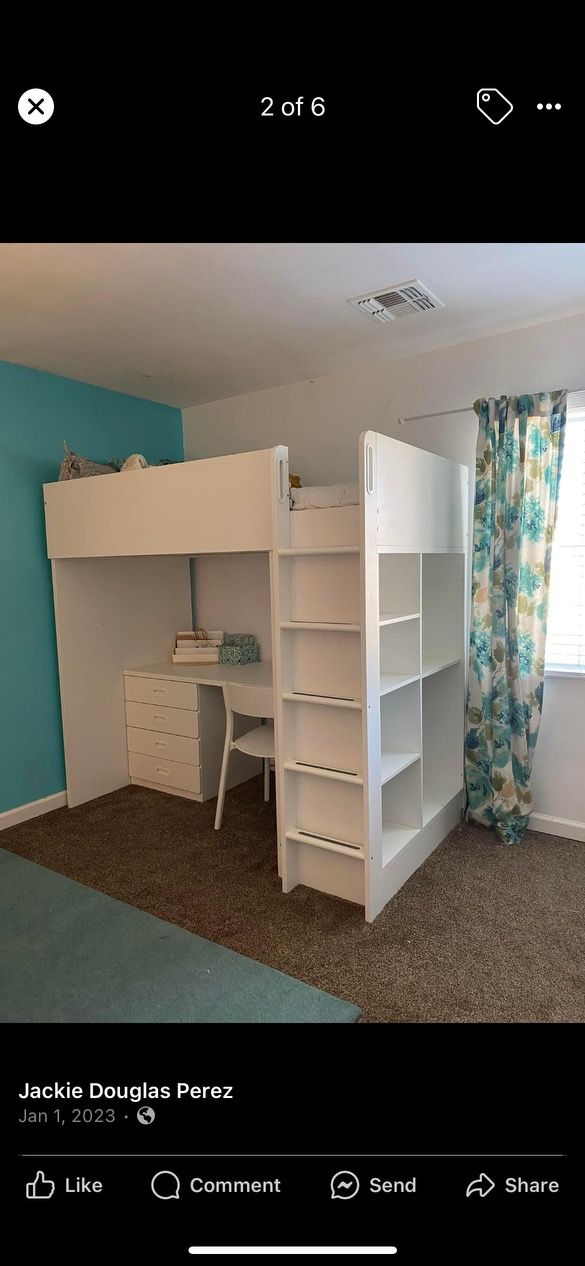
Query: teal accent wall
{"type": "Point", "coordinates": [37, 412]}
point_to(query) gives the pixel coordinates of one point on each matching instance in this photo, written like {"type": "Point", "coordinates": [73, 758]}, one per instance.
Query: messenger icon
{"type": "Point", "coordinates": [344, 1185]}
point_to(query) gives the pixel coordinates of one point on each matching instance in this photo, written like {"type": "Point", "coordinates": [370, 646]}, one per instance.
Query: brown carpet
{"type": "Point", "coordinates": [480, 933]}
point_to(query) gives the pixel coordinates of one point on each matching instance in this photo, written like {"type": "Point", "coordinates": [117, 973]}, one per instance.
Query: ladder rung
{"type": "Point", "coordinates": [324, 771]}
{"type": "Point", "coordinates": [325, 841]}
{"type": "Point", "coordinates": [330, 701]}
{"type": "Point", "coordinates": [325, 626]}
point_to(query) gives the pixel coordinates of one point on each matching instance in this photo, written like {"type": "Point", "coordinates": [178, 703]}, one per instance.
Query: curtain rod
{"type": "Point", "coordinates": [443, 413]}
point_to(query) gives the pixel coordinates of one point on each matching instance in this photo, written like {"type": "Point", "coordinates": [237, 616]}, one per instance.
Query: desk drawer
{"type": "Point", "coordinates": [167, 773]}
{"type": "Point", "coordinates": [173, 694]}
{"type": "Point", "coordinates": [164, 747]}
{"type": "Point", "coordinates": [146, 716]}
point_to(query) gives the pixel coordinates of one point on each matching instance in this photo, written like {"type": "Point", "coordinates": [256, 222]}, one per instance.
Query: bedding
{"type": "Point", "coordinates": [322, 498]}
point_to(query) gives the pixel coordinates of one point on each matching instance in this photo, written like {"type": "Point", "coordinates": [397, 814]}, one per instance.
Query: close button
{"type": "Point", "coordinates": [36, 106]}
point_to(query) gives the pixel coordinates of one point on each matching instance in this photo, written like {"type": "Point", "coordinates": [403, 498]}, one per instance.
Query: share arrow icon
{"type": "Point", "coordinates": [480, 1186]}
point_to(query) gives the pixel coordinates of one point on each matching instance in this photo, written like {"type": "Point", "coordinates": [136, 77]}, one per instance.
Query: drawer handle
{"type": "Point", "coordinates": [159, 690]}
{"type": "Point", "coordinates": [158, 716]}
{"type": "Point", "coordinates": [162, 771]}
{"type": "Point", "coordinates": [157, 743]}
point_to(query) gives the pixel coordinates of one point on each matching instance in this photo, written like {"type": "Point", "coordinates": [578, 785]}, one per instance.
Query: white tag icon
{"type": "Point", "coordinates": [493, 105]}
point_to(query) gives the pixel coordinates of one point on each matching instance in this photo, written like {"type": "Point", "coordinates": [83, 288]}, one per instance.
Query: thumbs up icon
{"type": "Point", "coordinates": [40, 1188]}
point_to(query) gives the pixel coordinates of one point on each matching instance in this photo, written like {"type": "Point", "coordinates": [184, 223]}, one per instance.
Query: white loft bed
{"type": "Point", "coordinates": [368, 620]}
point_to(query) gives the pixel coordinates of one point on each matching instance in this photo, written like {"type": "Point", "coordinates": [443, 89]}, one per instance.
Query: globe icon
{"type": "Point", "coordinates": [146, 1115]}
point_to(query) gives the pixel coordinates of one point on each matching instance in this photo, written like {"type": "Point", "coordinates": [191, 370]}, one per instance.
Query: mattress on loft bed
{"type": "Point", "coordinates": [320, 528]}
{"type": "Point", "coordinates": [324, 497]}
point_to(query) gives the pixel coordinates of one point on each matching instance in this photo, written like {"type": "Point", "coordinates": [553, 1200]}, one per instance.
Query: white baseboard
{"type": "Point", "coordinates": [557, 826]}
{"type": "Point", "coordinates": [32, 810]}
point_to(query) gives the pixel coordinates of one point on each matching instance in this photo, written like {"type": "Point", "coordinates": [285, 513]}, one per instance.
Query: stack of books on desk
{"type": "Point", "coordinates": [200, 646]}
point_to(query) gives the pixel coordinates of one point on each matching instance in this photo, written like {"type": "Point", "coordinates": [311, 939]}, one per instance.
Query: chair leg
{"type": "Point", "coordinates": [229, 729]}
{"type": "Point", "coordinates": [266, 778]}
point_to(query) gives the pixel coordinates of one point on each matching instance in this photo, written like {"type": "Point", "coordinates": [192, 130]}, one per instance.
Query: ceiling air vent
{"type": "Point", "coordinates": [395, 302]}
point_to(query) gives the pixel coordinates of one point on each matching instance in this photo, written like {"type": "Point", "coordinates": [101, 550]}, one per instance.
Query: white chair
{"type": "Point", "coordinates": [247, 701]}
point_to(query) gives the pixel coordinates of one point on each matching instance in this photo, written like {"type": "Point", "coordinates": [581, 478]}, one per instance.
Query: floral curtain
{"type": "Point", "coordinates": [518, 470]}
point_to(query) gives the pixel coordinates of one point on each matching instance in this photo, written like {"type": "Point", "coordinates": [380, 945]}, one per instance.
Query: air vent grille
{"type": "Point", "coordinates": [408, 299]}
{"type": "Point", "coordinates": [373, 308]}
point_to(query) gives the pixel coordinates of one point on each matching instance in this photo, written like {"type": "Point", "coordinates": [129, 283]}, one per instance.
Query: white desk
{"type": "Point", "coordinates": [175, 725]}
{"type": "Point", "coordinates": [259, 674]}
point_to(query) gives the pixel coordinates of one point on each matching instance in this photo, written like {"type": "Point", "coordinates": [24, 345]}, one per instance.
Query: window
{"type": "Point", "coordinates": [565, 643]}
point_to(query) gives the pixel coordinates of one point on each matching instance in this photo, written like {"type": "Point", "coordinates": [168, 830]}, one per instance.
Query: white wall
{"type": "Point", "coordinates": [321, 419]}
{"type": "Point", "coordinates": [232, 592]}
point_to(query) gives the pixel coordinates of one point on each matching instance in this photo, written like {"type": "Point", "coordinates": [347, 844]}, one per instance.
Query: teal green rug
{"type": "Point", "coordinates": [70, 953]}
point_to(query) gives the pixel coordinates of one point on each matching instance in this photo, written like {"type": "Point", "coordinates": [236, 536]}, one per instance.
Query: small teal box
{"type": "Point", "coordinates": [239, 648]}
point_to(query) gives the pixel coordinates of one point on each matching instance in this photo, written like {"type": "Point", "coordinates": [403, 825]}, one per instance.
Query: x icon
{"type": "Point", "coordinates": [36, 106]}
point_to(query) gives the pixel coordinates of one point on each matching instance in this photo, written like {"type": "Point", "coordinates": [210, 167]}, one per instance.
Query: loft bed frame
{"type": "Point", "coordinates": [368, 612]}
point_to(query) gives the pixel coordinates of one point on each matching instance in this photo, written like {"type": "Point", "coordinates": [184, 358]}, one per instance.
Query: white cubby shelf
{"type": "Point", "coordinates": [393, 763]}
{"type": "Point", "coordinates": [437, 796]}
{"type": "Point", "coordinates": [394, 839]}
{"type": "Point", "coordinates": [398, 619]}
{"type": "Point", "coordinates": [394, 681]}
{"type": "Point", "coordinates": [370, 647]}
{"type": "Point", "coordinates": [437, 664]}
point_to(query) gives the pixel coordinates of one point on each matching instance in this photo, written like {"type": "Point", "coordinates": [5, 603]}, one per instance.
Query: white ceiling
{"type": "Point", "coordinates": [185, 323]}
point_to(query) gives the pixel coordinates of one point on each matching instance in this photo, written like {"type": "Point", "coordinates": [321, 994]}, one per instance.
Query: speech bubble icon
{"type": "Point", "coordinates": [165, 1185]}
{"type": "Point", "coordinates": [344, 1185]}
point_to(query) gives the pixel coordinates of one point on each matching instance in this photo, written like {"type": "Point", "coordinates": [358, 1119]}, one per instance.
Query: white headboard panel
{"type": "Point", "coordinates": [422, 499]}
{"type": "Point", "coordinates": [218, 505]}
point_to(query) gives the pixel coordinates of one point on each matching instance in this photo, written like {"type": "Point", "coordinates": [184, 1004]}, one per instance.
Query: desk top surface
{"type": "Point", "coordinates": [259, 674]}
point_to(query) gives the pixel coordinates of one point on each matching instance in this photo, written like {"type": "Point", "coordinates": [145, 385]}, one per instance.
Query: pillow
{"type": "Point", "coordinates": [135, 462]}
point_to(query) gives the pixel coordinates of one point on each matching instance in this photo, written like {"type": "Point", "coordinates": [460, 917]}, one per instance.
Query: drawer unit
{"type": "Point", "coordinates": [163, 734]}
{"type": "Point", "coordinates": [175, 732]}
{"type": "Point", "coordinates": [164, 746]}
{"type": "Point", "coordinates": [153, 690]}
{"type": "Point", "coordinates": [148, 716]}
{"type": "Point", "coordinates": [165, 773]}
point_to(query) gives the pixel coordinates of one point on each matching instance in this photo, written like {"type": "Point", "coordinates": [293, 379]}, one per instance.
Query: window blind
{"type": "Point", "coordinates": [565, 642]}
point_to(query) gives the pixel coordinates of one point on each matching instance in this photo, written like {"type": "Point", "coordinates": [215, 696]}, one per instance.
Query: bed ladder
{"type": "Point", "coordinates": [320, 768]}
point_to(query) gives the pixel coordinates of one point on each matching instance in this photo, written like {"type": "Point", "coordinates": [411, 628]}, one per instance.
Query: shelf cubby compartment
{"type": "Point", "coordinates": [443, 611]}
{"type": "Point", "coordinates": [399, 654]}
{"type": "Point", "coordinates": [326, 809]}
{"type": "Point", "coordinates": [436, 663]}
{"type": "Point", "coordinates": [320, 589]}
{"type": "Point", "coordinates": [442, 739]}
{"type": "Point", "coordinates": [323, 736]}
{"type": "Point", "coordinates": [398, 619]}
{"type": "Point", "coordinates": [401, 811]}
{"type": "Point", "coordinates": [399, 585]}
{"type": "Point", "coordinates": [321, 663]}
{"type": "Point", "coordinates": [395, 681]}
{"type": "Point", "coordinates": [400, 730]}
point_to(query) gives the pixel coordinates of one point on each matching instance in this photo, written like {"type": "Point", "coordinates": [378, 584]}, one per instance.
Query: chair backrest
{"type": "Point", "coordinates": [249, 701]}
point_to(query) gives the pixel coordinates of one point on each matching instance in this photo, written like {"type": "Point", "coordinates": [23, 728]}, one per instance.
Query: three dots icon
{"type": "Point", "coordinates": [548, 106]}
